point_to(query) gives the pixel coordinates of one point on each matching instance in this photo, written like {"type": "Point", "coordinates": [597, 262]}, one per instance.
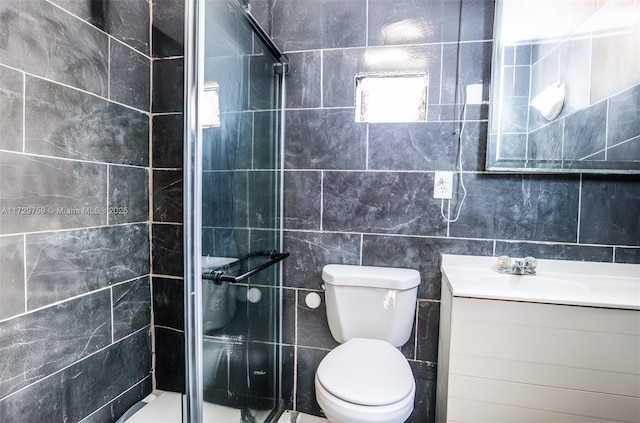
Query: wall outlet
{"type": "Point", "coordinates": [443, 185]}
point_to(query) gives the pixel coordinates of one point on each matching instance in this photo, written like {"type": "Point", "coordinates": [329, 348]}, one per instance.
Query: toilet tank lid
{"type": "Point", "coordinates": [370, 276]}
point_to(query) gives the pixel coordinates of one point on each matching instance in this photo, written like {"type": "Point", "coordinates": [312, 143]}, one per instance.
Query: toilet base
{"type": "Point", "coordinates": [339, 411]}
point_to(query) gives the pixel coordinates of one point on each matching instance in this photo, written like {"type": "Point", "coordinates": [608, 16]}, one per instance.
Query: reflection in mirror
{"type": "Point", "coordinates": [565, 93]}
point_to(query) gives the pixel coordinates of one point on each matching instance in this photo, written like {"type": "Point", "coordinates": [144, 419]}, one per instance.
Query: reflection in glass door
{"type": "Point", "coordinates": [240, 113]}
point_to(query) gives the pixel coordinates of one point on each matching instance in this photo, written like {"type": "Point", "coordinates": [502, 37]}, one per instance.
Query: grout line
{"type": "Point", "coordinates": [108, 187]}
{"type": "Point", "coordinates": [24, 112]}
{"type": "Point", "coordinates": [321, 80]}
{"type": "Point", "coordinates": [109, 58]}
{"type": "Point", "coordinates": [361, 247]}
{"type": "Point", "coordinates": [24, 267]}
{"type": "Point", "coordinates": [579, 210]}
{"type": "Point", "coordinates": [113, 335]}
{"type": "Point", "coordinates": [321, 200]}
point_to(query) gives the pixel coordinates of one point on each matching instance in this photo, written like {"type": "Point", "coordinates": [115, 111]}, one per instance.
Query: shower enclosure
{"type": "Point", "coordinates": [234, 88]}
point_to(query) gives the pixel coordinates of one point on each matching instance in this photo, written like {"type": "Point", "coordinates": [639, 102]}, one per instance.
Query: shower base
{"type": "Point", "coordinates": [166, 407]}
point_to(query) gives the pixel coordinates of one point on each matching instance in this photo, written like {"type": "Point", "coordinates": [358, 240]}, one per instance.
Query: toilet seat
{"type": "Point", "coordinates": [366, 372]}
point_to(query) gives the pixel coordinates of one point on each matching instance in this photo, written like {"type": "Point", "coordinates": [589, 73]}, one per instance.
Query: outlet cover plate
{"type": "Point", "coordinates": [443, 185]}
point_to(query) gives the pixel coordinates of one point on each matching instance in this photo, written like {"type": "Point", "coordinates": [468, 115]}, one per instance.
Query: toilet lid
{"type": "Point", "coordinates": [366, 372]}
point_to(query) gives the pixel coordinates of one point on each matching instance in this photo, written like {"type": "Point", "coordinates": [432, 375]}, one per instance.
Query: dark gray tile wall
{"type": "Point", "coordinates": [362, 194]}
{"type": "Point", "coordinates": [74, 209]}
{"type": "Point", "coordinates": [166, 191]}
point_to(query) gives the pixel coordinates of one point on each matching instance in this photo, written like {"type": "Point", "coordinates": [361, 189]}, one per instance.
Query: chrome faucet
{"type": "Point", "coordinates": [525, 266]}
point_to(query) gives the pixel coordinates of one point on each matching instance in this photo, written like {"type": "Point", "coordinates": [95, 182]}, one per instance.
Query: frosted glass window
{"type": "Point", "coordinates": [391, 97]}
{"type": "Point", "coordinates": [210, 106]}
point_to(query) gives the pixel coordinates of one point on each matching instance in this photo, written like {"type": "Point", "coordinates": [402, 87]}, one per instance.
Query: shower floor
{"type": "Point", "coordinates": [166, 407]}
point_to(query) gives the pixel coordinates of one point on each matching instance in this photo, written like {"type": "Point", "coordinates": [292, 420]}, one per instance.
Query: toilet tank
{"type": "Point", "coordinates": [370, 302]}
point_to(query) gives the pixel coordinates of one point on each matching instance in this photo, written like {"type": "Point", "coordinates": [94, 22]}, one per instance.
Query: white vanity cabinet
{"type": "Point", "coordinates": [504, 360]}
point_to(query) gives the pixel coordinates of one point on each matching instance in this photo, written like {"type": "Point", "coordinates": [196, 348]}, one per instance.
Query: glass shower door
{"type": "Point", "coordinates": [240, 118]}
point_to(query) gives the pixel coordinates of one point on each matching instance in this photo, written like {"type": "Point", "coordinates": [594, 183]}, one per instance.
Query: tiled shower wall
{"type": "Point", "coordinates": [167, 228]}
{"type": "Point", "coordinates": [362, 193]}
{"type": "Point", "coordinates": [74, 209]}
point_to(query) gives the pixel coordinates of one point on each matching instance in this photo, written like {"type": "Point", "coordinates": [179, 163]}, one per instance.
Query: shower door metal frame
{"type": "Point", "coordinates": [192, 401]}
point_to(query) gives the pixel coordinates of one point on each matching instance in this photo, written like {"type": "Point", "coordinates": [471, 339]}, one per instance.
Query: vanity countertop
{"type": "Point", "coordinates": [610, 285]}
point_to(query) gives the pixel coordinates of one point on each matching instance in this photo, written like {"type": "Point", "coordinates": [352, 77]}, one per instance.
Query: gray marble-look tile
{"type": "Point", "coordinates": [130, 77]}
{"type": "Point", "coordinates": [167, 249]}
{"type": "Point", "coordinates": [232, 242]}
{"type": "Point", "coordinates": [465, 64]}
{"type": "Point", "coordinates": [122, 403]}
{"type": "Point", "coordinates": [227, 31]}
{"type": "Point", "coordinates": [428, 330]}
{"type": "Point", "coordinates": [169, 363]}
{"type": "Point", "coordinates": [288, 376]}
{"type": "Point", "coordinates": [303, 80]}
{"type": "Point", "coordinates": [116, 408]}
{"type": "Point", "coordinates": [61, 265]}
{"type": "Point", "coordinates": [422, 254]}
{"type": "Point", "coordinates": [84, 387]}
{"type": "Point", "coordinates": [585, 132]}
{"type": "Point", "coordinates": [229, 146]}
{"type": "Point", "coordinates": [302, 200]}
{"type": "Point", "coordinates": [554, 251]}
{"type": "Point", "coordinates": [609, 210]}
{"type": "Point", "coordinates": [128, 194]}
{"type": "Point", "coordinates": [424, 406]}
{"type": "Point", "coordinates": [512, 146]}
{"type": "Point", "coordinates": [541, 208]}
{"type": "Point", "coordinates": [381, 202]}
{"type": "Point", "coordinates": [575, 58]}
{"type": "Point", "coordinates": [545, 143]}
{"type": "Point", "coordinates": [167, 145]}
{"type": "Point", "coordinates": [308, 25]}
{"type": "Point", "coordinates": [131, 307]}
{"type": "Point", "coordinates": [167, 86]}
{"type": "Point", "coordinates": [312, 326]}
{"type": "Point", "coordinates": [64, 122]}
{"type": "Point", "coordinates": [324, 139]}
{"type": "Point", "coordinates": [40, 343]}
{"type": "Point", "coordinates": [263, 199]}
{"type": "Point", "coordinates": [311, 251]}
{"type": "Point", "coordinates": [627, 255]}
{"type": "Point", "coordinates": [308, 361]}
{"type": "Point", "coordinates": [167, 30]}
{"type": "Point", "coordinates": [341, 65]}
{"type": "Point", "coordinates": [128, 21]}
{"type": "Point", "coordinates": [167, 196]}
{"type": "Point", "coordinates": [264, 86]}
{"type": "Point", "coordinates": [45, 194]}
{"type": "Point", "coordinates": [168, 303]}
{"type": "Point", "coordinates": [426, 146]}
{"type": "Point", "coordinates": [623, 121]}
{"type": "Point", "coordinates": [11, 105]}
{"type": "Point", "coordinates": [289, 311]}
{"type": "Point", "coordinates": [12, 295]}
{"type": "Point", "coordinates": [416, 22]}
{"type": "Point", "coordinates": [266, 139]}
{"type": "Point", "coordinates": [625, 151]}
{"type": "Point", "coordinates": [225, 199]}
{"type": "Point", "coordinates": [56, 46]}
{"type": "Point", "coordinates": [232, 77]}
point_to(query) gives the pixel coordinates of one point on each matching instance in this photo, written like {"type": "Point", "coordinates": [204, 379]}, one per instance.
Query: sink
{"type": "Point", "coordinates": [535, 284]}
{"type": "Point", "coordinates": [611, 285]}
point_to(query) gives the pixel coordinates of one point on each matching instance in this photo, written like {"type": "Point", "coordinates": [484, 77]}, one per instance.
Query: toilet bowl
{"type": "Point", "coordinates": [365, 381]}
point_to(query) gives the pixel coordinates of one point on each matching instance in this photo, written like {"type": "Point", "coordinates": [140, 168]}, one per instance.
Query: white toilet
{"type": "Point", "coordinates": [370, 311]}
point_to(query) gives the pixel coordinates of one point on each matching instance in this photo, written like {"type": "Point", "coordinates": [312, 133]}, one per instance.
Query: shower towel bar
{"type": "Point", "coordinates": [219, 277]}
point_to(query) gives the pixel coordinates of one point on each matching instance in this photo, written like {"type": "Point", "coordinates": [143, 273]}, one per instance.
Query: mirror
{"type": "Point", "coordinates": [565, 89]}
